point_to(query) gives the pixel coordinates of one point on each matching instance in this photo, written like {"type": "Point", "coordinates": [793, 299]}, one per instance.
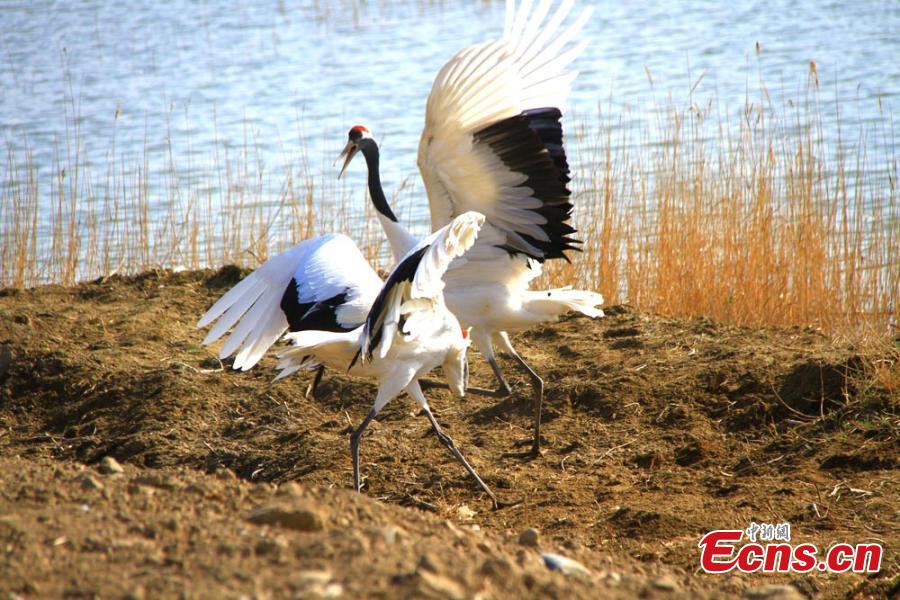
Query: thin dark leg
{"type": "Point", "coordinates": [448, 442]}
{"type": "Point", "coordinates": [502, 390]}
{"type": "Point", "coordinates": [311, 390]}
{"type": "Point", "coordinates": [354, 446]}
{"type": "Point", "coordinates": [537, 385]}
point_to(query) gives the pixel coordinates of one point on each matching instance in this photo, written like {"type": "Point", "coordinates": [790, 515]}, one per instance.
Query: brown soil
{"type": "Point", "coordinates": [657, 430]}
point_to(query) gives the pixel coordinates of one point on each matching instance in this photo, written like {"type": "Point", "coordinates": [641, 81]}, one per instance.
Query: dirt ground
{"type": "Point", "coordinates": [657, 431]}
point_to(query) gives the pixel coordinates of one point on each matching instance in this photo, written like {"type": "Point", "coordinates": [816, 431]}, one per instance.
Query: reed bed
{"type": "Point", "coordinates": [752, 220]}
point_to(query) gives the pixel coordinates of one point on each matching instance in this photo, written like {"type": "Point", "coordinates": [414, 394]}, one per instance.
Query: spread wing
{"type": "Point", "coordinates": [324, 283]}
{"type": "Point", "coordinates": [416, 283]}
{"type": "Point", "coordinates": [493, 140]}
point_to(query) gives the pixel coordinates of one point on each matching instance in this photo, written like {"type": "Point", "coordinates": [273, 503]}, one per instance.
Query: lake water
{"type": "Point", "coordinates": [288, 79]}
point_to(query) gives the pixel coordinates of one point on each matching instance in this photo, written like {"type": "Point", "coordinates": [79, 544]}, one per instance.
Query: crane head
{"type": "Point", "coordinates": [355, 138]}
{"type": "Point", "coordinates": [455, 365]}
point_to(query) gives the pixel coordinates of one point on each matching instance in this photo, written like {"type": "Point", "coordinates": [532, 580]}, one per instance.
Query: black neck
{"type": "Point", "coordinates": [370, 150]}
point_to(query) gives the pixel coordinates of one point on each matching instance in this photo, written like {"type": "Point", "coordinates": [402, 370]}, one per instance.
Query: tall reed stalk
{"type": "Point", "coordinates": [748, 218]}
{"type": "Point", "coordinates": [754, 222]}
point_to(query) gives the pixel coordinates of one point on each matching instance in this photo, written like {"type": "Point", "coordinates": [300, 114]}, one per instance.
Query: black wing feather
{"type": "Point", "coordinates": [320, 316]}
{"type": "Point", "coordinates": [531, 143]}
{"type": "Point", "coordinates": [404, 271]}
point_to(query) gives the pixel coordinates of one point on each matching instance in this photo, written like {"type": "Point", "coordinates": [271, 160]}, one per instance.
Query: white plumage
{"type": "Point", "coordinates": [323, 296]}
{"type": "Point", "coordinates": [493, 143]}
{"type": "Point", "coordinates": [408, 312]}
{"type": "Point", "coordinates": [479, 87]}
{"type": "Point", "coordinates": [396, 332]}
{"type": "Point", "coordinates": [408, 332]}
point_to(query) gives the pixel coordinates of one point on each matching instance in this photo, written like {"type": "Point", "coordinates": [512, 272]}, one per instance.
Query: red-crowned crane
{"type": "Point", "coordinates": [493, 142]}
{"type": "Point", "coordinates": [324, 286]}
{"type": "Point", "coordinates": [300, 289]}
{"type": "Point", "coordinates": [408, 332]}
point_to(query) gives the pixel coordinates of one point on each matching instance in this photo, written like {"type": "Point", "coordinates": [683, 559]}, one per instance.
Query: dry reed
{"type": "Point", "coordinates": [751, 222]}
{"type": "Point", "coordinates": [754, 223]}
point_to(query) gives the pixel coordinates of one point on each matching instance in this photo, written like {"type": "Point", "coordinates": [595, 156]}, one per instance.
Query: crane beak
{"type": "Point", "coordinates": [465, 377]}
{"type": "Point", "coordinates": [349, 152]}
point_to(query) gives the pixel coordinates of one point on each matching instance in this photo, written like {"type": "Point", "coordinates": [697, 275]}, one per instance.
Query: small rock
{"type": "Point", "coordinates": [612, 579]}
{"type": "Point", "coordinates": [664, 583]}
{"type": "Point", "coordinates": [442, 586]}
{"type": "Point", "coordinates": [141, 490]}
{"type": "Point", "coordinates": [211, 362]}
{"type": "Point", "coordinates": [357, 543]}
{"type": "Point", "coordinates": [529, 537]}
{"type": "Point", "coordinates": [94, 544]}
{"type": "Point", "coordinates": [225, 474]}
{"type": "Point", "coordinates": [110, 466]}
{"type": "Point", "coordinates": [465, 513]}
{"type": "Point", "coordinates": [299, 519]}
{"type": "Point", "coordinates": [271, 546]}
{"type": "Point", "coordinates": [773, 592]}
{"type": "Point", "coordinates": [262, 490]}
{"type": "Point", "coordinates": [89, 482]}
{"type": "Point", "coordinates": [496, 567]}
{"type": "Point", "coordinates": [138, 593]}
{"type": "Point", "coordinates": [571, 545]}
{"type": "Point", "coordinates": [389, 534]}
{"type": "Point", "coordinates": [564, 565]}
{"type": "Point", "coordinates": [317, 584]}
{"type": "Point", "coordinates": [195, 488]}
{"type": "Point", "coordinates": [291, 489]}
{"type": "Point", "coordinates": [158, 480]}
{"type": "Point", "coordinates": [428, 562]}
{"type": "Point", "coordinates": [313, 577]}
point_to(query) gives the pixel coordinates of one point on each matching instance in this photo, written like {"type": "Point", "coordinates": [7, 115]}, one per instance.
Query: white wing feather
{"type": "Point", "coordinates": [324, 267]}
{"type": "Point", "coordinates": [481, 85]}
{"type": "Point", "coordinates": [445, 245]}
{"type": "Point", "coordinates": [406, 293]}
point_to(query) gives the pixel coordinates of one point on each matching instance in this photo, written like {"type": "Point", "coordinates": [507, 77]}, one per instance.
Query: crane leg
{"type": "Point", "coordinates": [503, 390]}
{"type": "Point", "coordinates": [448, 442]}
{"type": "Point", "coordinates": [537, 385]}
{"type": "Point", "coordinates": [482, 341]}
{"type": "Point", "coordinates": [500, 392]}
{"type": "Point", "coordinates": [487, 350]}
{"type": "Point", "coordinates": [393, 384]}
{"type": "Point", "coordinates": [354, 447]}
{"type": "Point", "coordinates": [416, 392]}
{"type": "Point", "coordinates": [311, 389]}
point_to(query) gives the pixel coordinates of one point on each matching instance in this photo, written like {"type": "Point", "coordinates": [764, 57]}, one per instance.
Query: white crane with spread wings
{"type": "Point", "coordinates": [493, 143]}
{"type": "Point", "coordinates": [341, 316]}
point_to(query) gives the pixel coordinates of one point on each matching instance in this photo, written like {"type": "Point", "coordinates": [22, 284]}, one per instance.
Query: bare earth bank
{"type": "Point", "coordinates": [657, 431]}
